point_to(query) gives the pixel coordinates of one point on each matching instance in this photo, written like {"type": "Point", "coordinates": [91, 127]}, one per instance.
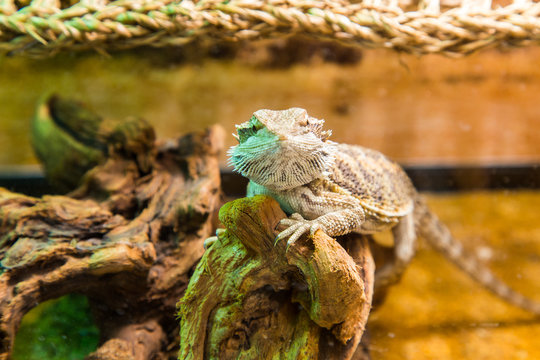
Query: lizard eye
{"type": "Point", "coordinates": [256, 124]}
{"type": "Point", "coordinates": [246, 132]}
{"type": "Point", "coordinates": [254, 128]}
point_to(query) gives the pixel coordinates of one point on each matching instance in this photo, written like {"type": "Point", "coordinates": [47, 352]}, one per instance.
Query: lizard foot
{"type": "Point", "coordinates": [296, 227]}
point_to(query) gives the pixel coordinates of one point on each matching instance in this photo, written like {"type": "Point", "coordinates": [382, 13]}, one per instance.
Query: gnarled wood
{"type": "Point", "coordinates": [243, 299]}
{"type": "Point", "coordinates": [127, 237]}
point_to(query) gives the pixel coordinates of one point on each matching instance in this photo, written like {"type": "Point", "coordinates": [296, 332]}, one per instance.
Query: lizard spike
{"type": "Point", "coordinates": [315, 121]}
{"type": "Point", "coordinates": [236, 136]}
{"type": "Point", "coordinates": [326, 134]}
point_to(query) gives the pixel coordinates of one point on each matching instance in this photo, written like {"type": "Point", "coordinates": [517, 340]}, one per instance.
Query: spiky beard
{"type": "Point", "coordinates": [282, 164]}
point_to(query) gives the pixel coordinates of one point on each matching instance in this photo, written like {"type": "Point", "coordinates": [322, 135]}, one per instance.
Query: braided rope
{"type": "Point", "coordinates": [49, 26]}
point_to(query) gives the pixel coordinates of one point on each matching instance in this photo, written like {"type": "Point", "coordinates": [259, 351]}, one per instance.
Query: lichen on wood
{"type": "Point", "coordinates": [127, 235]}
{"type": "Point", "coordinates": [252, 298]}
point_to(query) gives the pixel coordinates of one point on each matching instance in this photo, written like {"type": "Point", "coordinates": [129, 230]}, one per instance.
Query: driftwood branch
{"type": "Point", "coordinates": [250, 298]}
{"type": "Point", "coordinates": [126, 237]}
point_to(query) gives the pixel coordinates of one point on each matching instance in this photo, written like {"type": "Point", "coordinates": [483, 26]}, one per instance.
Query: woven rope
{"type": "Point", "coordinates": [48, 26]}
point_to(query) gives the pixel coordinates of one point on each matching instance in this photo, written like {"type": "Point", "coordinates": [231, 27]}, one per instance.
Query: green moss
{"type": "Point", "coordinates": [67, 143]}
{"type": "Point", "coordinates": [60, 329]}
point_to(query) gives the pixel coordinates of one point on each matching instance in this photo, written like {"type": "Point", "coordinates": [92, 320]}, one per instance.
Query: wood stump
{"type": "Point", "coordinates": [252, 299]}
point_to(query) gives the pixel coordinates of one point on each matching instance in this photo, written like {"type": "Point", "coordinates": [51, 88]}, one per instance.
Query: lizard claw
{"type": "Point", "coordinates": [209, 241]}
{"type": "Point", "coordinates": [212, 239]}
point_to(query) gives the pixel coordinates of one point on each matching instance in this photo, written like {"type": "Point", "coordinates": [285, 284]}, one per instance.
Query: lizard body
{"type": "Point", "coordinates": [341, 188]}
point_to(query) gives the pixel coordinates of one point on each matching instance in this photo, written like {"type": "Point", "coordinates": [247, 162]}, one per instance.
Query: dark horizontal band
{"type": "Point", "coordinates": [425, 178]}
{"type": "Point", "coordinates": [441, 178]}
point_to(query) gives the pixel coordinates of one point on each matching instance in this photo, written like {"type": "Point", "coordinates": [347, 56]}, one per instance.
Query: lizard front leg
{"type": "Point", "coordinates": [344, 216]}
{"type": "Point", "coordinates": [333, 224]}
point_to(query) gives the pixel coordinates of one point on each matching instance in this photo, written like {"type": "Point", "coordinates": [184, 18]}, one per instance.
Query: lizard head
{"type": "Point", "coordinates": [282, 149]}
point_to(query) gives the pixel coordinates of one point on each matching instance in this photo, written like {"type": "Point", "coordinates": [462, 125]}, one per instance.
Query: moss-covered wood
{"type": "Point", "coordinates": [127, 236]}
{"type": "Point", "coordinates": [250, 298]}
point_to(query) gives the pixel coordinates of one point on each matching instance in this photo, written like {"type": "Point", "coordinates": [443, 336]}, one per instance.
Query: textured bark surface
{"type": "Point", "coordinates": [126, 237]}
{"type": "Point", "coordinates": [250, 298]}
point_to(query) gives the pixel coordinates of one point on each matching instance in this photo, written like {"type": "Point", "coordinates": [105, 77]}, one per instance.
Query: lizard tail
{"type": "Point", "coordinates": [437, 234]}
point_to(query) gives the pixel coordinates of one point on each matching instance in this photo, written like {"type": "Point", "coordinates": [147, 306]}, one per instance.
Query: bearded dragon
{"type": "Point", "coordinates": [341, 188]}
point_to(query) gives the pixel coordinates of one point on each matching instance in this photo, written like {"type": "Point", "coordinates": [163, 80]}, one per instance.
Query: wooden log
{"type": "Point", "coordinates": [250, 298]}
